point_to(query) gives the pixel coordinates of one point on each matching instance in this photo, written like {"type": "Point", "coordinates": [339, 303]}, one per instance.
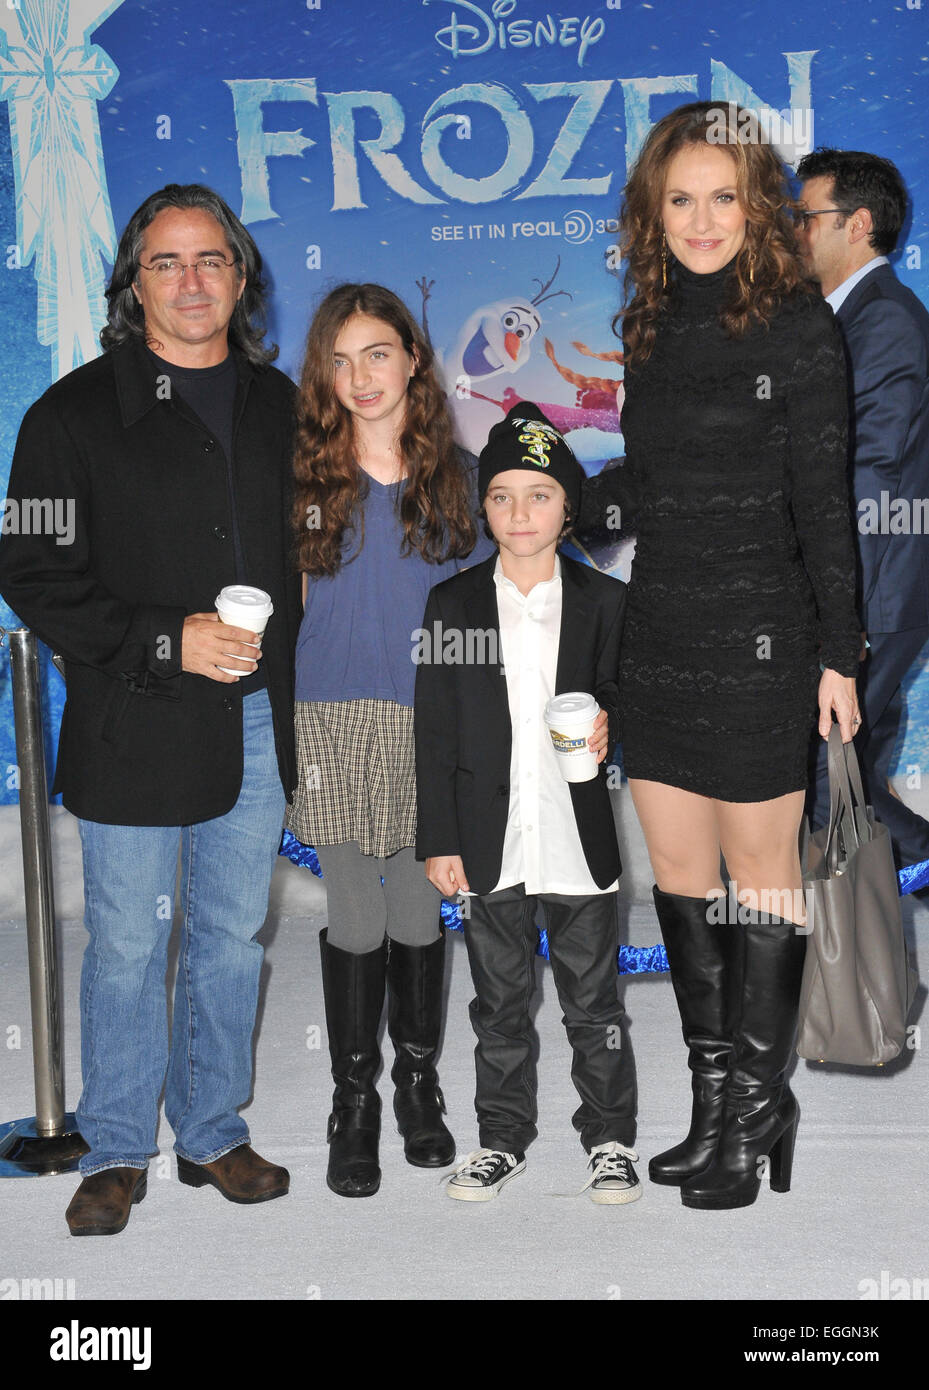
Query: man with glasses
{"type": "Point", "coordinates": [855, 205]}
{"type": "Point", "coordinates": [175, 447]}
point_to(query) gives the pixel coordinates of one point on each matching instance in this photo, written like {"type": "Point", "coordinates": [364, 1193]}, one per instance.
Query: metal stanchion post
{"type": "Point", "coordinates": [47, 1142]}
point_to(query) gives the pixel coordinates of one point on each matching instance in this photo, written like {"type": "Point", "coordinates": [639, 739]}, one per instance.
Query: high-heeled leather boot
{"type": "Point", "coordinates": [761, 1114]}
{"type": "Point", "coordinates": [415, 980]}
{"type": "Point", "coordinates": [353, 988]}
{"type": "Point", "coordinates": [705, 971]}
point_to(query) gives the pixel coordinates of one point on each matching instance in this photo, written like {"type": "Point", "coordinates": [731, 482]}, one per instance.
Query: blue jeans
{"type": "Point", "coordinates": [129, 881]}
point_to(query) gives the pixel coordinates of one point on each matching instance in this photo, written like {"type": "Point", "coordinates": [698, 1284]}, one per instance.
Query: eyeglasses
{"type": "Point", "coordinates": [207, 268]}
{"type": "Point", "coordinates": [804, 215]}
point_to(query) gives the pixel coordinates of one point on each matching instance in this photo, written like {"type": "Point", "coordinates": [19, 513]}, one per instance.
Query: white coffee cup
{"type": "Point", "coordinates": [570, 719]}
{"type": "Point", "coordinates": [239, 605]}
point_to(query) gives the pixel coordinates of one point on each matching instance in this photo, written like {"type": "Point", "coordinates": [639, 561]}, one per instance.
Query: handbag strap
{"type": "Point", "coordinates": [837, 807]}
{"type": "Point", "coordinates": [837, 814]}
{"type": "Point", "coordinates": [844, 760]}
{"type": "Point", "coordinates": [847, 808]}
{"type": "Point", "coordinates": [854, 772]}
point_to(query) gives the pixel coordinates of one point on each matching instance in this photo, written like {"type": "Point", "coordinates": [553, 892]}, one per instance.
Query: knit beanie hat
{"type": "Point", "coordinates": [526, 439]}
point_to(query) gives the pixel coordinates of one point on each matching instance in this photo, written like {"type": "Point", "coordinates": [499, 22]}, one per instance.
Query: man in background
{"type": "Point", "coordinates": [855, 205]}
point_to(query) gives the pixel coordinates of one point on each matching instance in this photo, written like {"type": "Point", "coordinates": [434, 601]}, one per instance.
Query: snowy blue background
{"type": "Point", "coordinates": [327, 143]}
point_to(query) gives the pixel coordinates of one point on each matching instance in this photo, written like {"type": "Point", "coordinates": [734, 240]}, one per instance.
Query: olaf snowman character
{"type": "Point", "coordinates": [497, 338]}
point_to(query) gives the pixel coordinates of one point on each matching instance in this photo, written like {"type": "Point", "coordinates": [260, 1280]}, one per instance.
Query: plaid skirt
{"type": "Point", "coordinates": [357, 775]}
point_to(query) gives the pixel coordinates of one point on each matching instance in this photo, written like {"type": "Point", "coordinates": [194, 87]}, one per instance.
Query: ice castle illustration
{"type": "Point", "coordinates": [52, 77]}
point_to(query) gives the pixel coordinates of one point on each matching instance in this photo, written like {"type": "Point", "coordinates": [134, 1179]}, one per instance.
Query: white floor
{"type": "Point", "coordinates": [859, 1205]}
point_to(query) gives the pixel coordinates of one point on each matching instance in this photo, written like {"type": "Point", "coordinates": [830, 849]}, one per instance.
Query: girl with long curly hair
{"type": "Point", "coordinates": [384, 509]}
{"type": "Point", "coordinates": [741, 627]}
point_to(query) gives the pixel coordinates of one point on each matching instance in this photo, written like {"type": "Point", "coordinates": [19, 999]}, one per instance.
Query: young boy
{"type": "Point", "coordinates": [497, 821]}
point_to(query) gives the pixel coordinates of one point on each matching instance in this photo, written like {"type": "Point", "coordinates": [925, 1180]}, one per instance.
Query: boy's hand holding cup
{"type": "Point", "coordinates": [598, 739]}
{"type": "Point", "coordinates": [578, 734]}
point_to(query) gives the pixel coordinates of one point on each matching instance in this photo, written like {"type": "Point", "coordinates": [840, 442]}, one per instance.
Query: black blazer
{"type": "Point", "coordinates": [143, 742]}
{"type": "Point", "coordinates": [462, 718]}
{"type": "Point", "coordinates": [885, 329]}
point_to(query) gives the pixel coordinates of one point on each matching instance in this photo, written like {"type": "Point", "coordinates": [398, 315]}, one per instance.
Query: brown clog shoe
{"type": "Point", "coordinates": [101, 1205]}
{"type": "Point", "coordinates": [240, 1175]}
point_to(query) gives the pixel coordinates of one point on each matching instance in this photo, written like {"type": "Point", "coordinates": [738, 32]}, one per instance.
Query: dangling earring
{"type": "Point", "coordinates": [751, 267]}
{"type": "Point", "coordinates": [664, 262]}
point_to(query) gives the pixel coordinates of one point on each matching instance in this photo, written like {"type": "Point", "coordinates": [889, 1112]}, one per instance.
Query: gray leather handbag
{"type": "Point", "coordinates": [857, 982]}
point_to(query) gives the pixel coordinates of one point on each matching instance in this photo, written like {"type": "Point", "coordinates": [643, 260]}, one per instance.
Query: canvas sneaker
{"type": "Point", "coordinates": [612, 1178]}
{"type": "Point", "coordinates": [483, 1173]}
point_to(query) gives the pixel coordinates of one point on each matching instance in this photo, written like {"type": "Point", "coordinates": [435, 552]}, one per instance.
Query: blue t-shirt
{"type": "Point", "coordinates": [357, 640]}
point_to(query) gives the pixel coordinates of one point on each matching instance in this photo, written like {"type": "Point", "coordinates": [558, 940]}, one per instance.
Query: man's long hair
{"type": "Point", "coordinates": [125, 318]}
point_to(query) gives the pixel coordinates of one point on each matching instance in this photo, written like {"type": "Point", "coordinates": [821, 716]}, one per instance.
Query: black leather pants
{"type": "Point", "coordinates": [583, 940]}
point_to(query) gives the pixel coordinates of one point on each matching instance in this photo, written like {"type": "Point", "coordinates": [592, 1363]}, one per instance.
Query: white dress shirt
{"type": "Point", "coordinates": [541, 847]}
{"type": "Point", "coordinates": [841, 292]}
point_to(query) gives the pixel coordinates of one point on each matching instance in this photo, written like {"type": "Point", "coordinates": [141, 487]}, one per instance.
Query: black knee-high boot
{"type": "Point", "coordinates": [415, 979]}
{"type": "Point", "coordinates": [353, 988]}
{"type": "Point", "coordinates": [705, 969]}
{"type": "Point", "coordinates": [761, 1114]}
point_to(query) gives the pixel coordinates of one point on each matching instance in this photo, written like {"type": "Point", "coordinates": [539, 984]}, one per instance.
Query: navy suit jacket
{"type": "Point", "coordinates": [885, 329]}
{"type": "Point", "coordinates": [463, 731]}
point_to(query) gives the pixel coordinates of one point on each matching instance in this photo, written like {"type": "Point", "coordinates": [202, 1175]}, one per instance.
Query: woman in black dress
{"type": "Point", "coordinates": [741, 616]}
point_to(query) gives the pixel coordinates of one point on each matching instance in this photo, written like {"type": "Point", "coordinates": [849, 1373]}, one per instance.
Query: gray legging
{"type": "Point", "coordinates": [362, 909]}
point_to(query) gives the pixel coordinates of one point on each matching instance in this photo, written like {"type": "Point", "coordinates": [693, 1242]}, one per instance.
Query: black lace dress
{"type": "Point", "coordinates": [743, 580]}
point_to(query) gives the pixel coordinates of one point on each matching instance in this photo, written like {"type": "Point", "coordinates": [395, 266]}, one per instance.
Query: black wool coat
{"type": "Point", "coordinates": [143, 742]}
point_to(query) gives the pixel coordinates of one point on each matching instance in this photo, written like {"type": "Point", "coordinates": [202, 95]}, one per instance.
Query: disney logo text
{"type": "Point", "coordinates": [464, 40]}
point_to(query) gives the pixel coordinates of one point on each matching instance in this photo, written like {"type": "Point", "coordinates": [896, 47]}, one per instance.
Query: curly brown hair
{"type": "Point", "coordinates": [435, 506]}
{"type": "Point", "coordinates": [767, 266]}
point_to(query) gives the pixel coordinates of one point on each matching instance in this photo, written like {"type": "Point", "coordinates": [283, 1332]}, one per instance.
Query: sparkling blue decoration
{"type": "Point", "coordinates": [632, 960]}
{"type": "Point", "coordinates": [642, 960]}
{"type": "Point", "coordinates": [304, 855]}
{"type": "Point", "coordinates": [451, 915]}
{"type": "Point", "coordinates": [914, 877]}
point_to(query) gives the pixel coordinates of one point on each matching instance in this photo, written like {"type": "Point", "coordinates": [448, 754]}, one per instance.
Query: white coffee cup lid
{"type": "Point", "coordinates": [575, 707]}
{"type": "Point", "coordinates": [243, 595]}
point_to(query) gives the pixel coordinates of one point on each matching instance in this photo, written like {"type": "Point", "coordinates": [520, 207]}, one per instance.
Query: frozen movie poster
{"type": "Point", "coordinates": [470, 156]}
